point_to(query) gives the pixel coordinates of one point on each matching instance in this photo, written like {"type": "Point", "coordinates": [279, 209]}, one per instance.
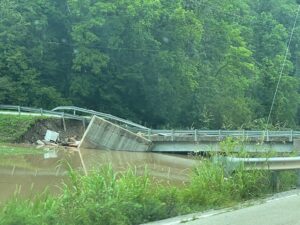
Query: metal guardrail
{"type": "Point", "coordinates": [103, 115]}
{"type": "Point", "coordinates": [40, 111]}
{"type": "Point", "coordinates": [273, 163]}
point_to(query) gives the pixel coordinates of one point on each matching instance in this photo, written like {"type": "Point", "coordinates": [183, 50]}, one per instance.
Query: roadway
{"type": "Point", "coordinates": [280, 210]}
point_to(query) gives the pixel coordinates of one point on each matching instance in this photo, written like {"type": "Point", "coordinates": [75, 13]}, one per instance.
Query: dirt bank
{"type": "Point", "coordinates": [38, 130]}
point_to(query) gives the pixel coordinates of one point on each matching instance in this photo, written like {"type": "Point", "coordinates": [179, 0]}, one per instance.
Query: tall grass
{"type": "Point", "coordinates": [102, 197]}
{"type": "Point", "coordinates": [109, 198]}
{"type": "Point", "coordinates": [212, 187]}
{"type": "Point", "coordinates": [12, 127]}
{"type": "Point", "coordinates": [105, 197]}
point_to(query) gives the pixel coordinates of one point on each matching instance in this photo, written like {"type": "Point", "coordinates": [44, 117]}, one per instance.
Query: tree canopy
{"type": "Point", "coordinates": [204, 64]}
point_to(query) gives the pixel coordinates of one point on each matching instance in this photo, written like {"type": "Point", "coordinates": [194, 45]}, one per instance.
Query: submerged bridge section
{"type": "Point", "coordinates": [103, 134]}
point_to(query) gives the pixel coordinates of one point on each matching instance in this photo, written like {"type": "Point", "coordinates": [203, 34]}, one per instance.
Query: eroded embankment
{"type": "Point", "coordinates": [29, 129]}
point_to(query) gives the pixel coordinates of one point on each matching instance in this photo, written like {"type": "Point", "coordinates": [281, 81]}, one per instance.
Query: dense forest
{"type": "Point", "coordinates": [205, 64]}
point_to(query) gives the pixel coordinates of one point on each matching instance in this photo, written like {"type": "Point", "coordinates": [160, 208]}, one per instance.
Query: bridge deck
{"type": "Point", "coordinates": [201, 138]}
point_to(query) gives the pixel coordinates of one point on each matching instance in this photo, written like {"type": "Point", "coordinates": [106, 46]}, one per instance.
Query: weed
{"type": "Point", "coordinates": [125, 198]}
{"type": "Point", "coordinates": [13, 127]}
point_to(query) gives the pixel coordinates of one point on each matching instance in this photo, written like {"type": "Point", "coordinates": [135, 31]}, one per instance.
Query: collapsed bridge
{"type": "Point", "coordinates": [106, 135]}
{"type": "Point", "coordinates": [105, 131]}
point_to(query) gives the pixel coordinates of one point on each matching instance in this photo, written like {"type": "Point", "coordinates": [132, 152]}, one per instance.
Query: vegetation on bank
{"type": "Point", "coordinates": [13, 127]}
{"type": "Point", "coordinates": [108, 198]}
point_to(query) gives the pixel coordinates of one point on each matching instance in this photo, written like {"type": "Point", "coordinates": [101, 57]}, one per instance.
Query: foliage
{"type": "Point", "coordinates": [185, 63]}
{"type": "Point", "coordinates": [103, 197]}
{"type": "Point", "coordinates": [212, 186]}
{"type": "Point", "coordinates": [13, 127]}
{"type": "Point", "coordinates": [106, 197]}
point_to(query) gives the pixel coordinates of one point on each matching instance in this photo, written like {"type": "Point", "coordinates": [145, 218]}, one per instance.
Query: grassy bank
{"type": "Point", "coordinates": [12, 127]}
{"type": "Point", "coordinates": [109, 198]}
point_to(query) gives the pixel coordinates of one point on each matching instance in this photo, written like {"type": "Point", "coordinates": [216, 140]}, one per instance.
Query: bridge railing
{"type": "Point", "coordinates": [221, 134]}
{"type": "Point", "coordinates": [109, 117]}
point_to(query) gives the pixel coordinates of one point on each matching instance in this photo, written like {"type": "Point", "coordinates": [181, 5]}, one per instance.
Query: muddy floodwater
{"type": "Point", "coordinates": [28, 174]}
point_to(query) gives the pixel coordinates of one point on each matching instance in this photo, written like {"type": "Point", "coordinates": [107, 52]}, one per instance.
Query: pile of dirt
{"type": "Point", "coordinates": [74, 128]}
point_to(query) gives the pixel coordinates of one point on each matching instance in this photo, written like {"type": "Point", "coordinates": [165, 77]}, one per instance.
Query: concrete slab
{"type": "Point", "coordinates": [102, 134]}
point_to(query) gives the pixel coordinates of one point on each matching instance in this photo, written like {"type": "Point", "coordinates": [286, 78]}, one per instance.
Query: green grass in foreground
{"type": "Point", "coordinates": [12, 127]}
{"type": "Point", "coordinates": [108, 198]}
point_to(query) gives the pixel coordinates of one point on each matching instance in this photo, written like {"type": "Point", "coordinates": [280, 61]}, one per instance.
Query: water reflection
{"type": "Point", "coordinates": [33, 173]}
{"type": "Point", "coordinates": [50, 154]}
{"type": "Point", "coordinates": [174, 168]}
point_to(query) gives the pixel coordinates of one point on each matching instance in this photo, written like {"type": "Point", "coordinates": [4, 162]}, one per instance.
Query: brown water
{"type": "Point", "coordinates": [31, 174]}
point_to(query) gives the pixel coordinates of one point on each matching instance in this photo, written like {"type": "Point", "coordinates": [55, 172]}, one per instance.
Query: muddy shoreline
{"type": "Point", "coordinates": [36, 132]}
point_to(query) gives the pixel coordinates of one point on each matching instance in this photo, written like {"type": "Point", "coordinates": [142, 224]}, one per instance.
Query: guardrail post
{"type": "Point", "coordinates": [243, 135]}
{"type": "Point", "coordinates": [74, 112]}
{"type": "Point", "coordinates": [172, 136]}
{"type": "Point", "coordinates": [275, 180]}
{"type": "Point", "coordinates": [41, 110]}
{"type": "Point", "coordinates": [64, 122]}
{"type": "Point", "coordinates": [298, 178]}
{"type": "Point", "coordinates": [268, 138]}
{"type": "Point", "coordinates": [149, 133]}
{"type": "Point", "coordinates": [83, 124]}
{"type": "Point", "coordinates": [19, 110]}
{"type": "Point", "coordinates": [291, 136]}
{"type": "Point", "coordinates": [219, 135]}
{"type": "Point", "coordinates": [196, 136]}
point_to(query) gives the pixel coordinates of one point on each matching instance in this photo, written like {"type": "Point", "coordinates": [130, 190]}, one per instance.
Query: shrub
{"type": "Point", "coordinates": [211, 186]}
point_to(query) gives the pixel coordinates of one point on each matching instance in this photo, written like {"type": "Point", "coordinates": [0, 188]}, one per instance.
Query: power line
{"type": "Point", "coordinates": [282, 67]}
